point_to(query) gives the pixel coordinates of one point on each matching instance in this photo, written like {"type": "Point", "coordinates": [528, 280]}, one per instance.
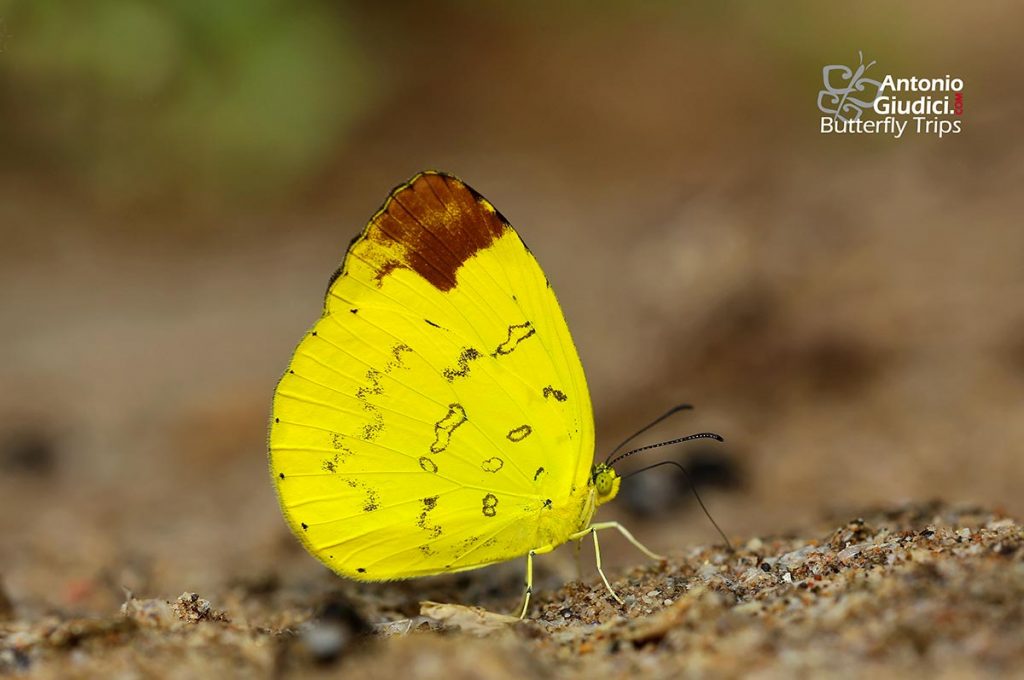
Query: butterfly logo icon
{"type": "Point", "coordinates": [847, 93]}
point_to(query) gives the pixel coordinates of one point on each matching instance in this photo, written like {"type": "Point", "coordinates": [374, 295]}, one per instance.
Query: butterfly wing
{"type": "Point", "coordinates": [436, 417]}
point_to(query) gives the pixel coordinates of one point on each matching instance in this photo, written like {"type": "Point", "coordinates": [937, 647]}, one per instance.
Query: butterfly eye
{"type": "Point", "coordinates": [603, 480]}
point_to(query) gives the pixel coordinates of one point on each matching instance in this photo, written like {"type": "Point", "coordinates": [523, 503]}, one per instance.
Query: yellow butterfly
{"type": "Point", "coordinates": [436, 417]}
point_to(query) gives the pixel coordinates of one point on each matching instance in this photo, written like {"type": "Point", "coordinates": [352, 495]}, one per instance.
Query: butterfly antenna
{"type": "Point", "coordinates": [663, 416]}
{"type": "Point", "coordinates": [693, 487]}
{"type": "Point", "coordinates": [680, 440]}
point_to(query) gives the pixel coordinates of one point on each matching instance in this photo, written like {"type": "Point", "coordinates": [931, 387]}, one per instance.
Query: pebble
{"type": "Point", "coordinates": [1005, 523]}
{"type": "Point", "coordinates": [851, 551]}
{"type": "Point", "coordinates": [325, 641]}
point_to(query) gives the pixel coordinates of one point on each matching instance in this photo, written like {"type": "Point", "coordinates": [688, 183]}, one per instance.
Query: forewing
{"type": "Point", "coordinates": [438, 408]}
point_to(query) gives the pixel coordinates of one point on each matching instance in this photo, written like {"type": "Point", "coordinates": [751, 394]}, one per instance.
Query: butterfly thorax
{"type": "Point", "coordinates": [575, 512]}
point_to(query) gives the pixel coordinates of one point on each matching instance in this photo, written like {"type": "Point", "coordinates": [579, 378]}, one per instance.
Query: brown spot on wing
{"type": "Point", "coordinates": [550, 391]}
{"type": "Point", "coordinates": [431, 226]}
{"type": "Point", "coordinates": [444, 428]}
{"type": "Point", "coordinates": [516, 334]}
{"type": "Point", "coordinates": [468, 354]}
{"type": "Point", "coordinates": [520, 433]}
{"type": "Point", "coordinates": [490, 506]}
{"type": "Point", "coordinates": [492, 464]}
{"type": "Point", "coordinates": [435, 530]}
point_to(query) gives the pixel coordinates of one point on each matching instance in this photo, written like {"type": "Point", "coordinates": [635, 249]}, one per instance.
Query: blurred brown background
{"type": "Point", "coordinates": [178, 180]}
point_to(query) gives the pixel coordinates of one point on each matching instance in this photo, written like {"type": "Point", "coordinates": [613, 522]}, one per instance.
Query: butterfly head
{"type": "Point", "coordinates": [606, 483]}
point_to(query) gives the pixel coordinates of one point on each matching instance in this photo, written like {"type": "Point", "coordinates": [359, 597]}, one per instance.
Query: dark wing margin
{"type": "Point", "coordinates": [431, 225]}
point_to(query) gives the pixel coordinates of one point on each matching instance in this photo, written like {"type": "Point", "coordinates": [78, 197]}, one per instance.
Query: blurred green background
{"type": "Point", "coordinates": [179, 179]}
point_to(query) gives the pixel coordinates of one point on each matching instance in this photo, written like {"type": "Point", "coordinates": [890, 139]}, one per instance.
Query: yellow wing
{"type": "Point", "coordinates": [436, 417]}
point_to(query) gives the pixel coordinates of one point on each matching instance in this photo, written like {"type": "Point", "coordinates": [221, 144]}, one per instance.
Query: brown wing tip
{"type": "Point", "coordinates": [449, 179]}
{"type": "Point", "coordinates": [431, 225]}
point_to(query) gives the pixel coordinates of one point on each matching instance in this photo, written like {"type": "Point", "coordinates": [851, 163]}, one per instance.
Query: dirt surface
{"type": "Point", "coordinates": [923, 590]}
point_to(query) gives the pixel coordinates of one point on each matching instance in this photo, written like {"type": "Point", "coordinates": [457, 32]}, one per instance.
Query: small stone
{"type": "Point", "coordinates": [1005, 523]}
{"type": "Point", "coordinates": [325, 642]}
{"type": "Point", "coordinates": [335, 629]}
{"type": "Point", "coordinates": [191, 608]}
{"type": "Point", "coordinates": [149, 613]}
{"type": "Point", "coordinates": [851, 551]}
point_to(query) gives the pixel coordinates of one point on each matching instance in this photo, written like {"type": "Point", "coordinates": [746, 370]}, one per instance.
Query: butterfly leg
{"type": "Point", "coordinates": [594, 528]}
{"type": "Point", "coordinates": [529, 583]}
{"type": "Point", "coordinates": [597, 555]}
{"type": "Point", "coordinates": [629, 537]}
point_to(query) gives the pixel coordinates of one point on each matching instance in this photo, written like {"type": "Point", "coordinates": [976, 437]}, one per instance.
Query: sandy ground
{"type": "Point", "coordinates": [919, 591]}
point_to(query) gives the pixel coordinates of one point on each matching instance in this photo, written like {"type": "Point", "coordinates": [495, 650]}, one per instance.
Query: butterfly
{"type": "Point", "coordinates": [436, 417]}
